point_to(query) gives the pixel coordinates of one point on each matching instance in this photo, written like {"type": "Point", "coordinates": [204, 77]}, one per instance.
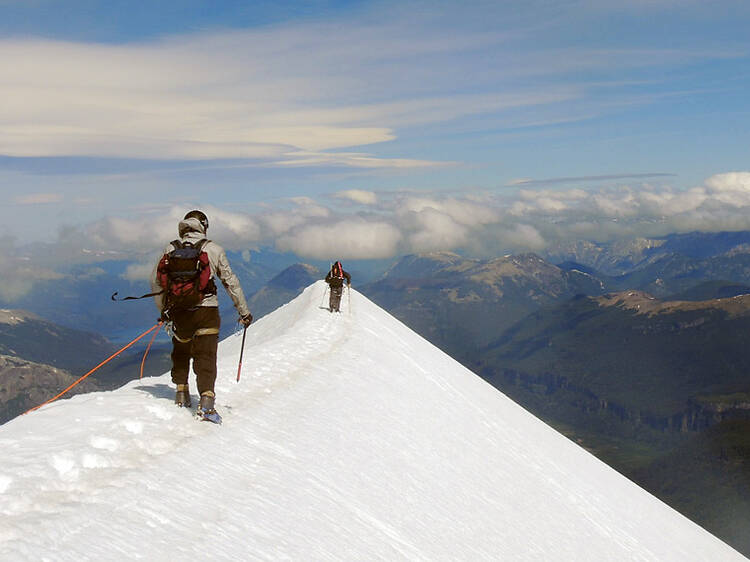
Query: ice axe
{"type": "Point", "coordinates": [242, 350]}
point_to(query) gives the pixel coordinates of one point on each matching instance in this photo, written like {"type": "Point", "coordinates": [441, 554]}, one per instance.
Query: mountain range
{"type": "Point", "coordinates": [463, 304]}
{"type": "Point", "coordinates": [644, 357]}
{"type": "Point", "coordinates": [283, 288]}
{"type": "Point", "coordinates": [627, 255]}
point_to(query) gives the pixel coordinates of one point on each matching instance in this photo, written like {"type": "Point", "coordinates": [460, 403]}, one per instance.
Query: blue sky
{"type": "Point", "coordinates": [410, 126]}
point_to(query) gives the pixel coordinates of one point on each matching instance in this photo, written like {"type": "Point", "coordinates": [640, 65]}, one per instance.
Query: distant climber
{"type": "Point", "coordinates": [335, 280]}
{"type": "Point", "coordinates": [185, 278]}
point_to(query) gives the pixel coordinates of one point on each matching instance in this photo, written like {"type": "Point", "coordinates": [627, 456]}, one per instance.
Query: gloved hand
{"type": "Point", "coordinates": [246, 320]}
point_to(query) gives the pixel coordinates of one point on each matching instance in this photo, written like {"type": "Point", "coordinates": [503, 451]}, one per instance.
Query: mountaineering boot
{"type": "Point", "coordinates": [182, 396]}
{"type": "Point", "coordinates": [207, 401]}
{"type": "Point", "coordinates": [206, 410]}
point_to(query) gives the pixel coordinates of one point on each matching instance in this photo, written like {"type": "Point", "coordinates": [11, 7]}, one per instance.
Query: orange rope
{"type": "Point", "coordinates": [107, 360]}
{"type": "Point", "coordinates": [148, 347]}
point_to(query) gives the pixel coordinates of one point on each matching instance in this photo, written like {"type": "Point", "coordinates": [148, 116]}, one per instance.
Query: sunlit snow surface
{"type": "Point", "coordinates": [349, 437]}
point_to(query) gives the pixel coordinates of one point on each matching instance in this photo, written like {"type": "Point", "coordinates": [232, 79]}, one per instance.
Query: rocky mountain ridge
{"type": "Point", "coordinates": [41, 358]}
{"type": "Point", "coordinates": [621, 257]}
{"type": "Point", "coordinates": [25, 384]}
{"type": "Point", "coordinates": [643, 303]}
{"type": "Point", "coordinates": [283, 288]}
{"type": "Point", "coordinates": [462, 304]}
{"type": "Point", "coordinates": [631, 349]}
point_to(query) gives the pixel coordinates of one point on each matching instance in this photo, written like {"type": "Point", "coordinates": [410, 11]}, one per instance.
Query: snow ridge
{"type": "Point", "coordinates": [348, 437]}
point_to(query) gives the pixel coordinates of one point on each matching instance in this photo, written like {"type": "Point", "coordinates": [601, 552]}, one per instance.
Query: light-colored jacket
{"type": "Point", "coordinates": [191, 230]}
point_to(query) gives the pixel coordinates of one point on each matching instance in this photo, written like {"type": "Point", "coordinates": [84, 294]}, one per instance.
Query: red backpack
{"type": "Point", "coordinates": [337, 270]}
{"type": "Point", "coordinates": [185, 275]}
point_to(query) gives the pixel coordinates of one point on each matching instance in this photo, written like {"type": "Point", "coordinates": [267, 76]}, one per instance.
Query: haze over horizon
{"type": "Point", "coordinates": [371, 129]}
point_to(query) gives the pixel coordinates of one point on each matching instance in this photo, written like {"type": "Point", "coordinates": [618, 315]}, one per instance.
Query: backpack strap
{"type": "Point", "coordinates": [178, 245]}
{"type": "Point", "coordinates": [211, 285]}
{"type": "Point", "coordinates": [114, 296]}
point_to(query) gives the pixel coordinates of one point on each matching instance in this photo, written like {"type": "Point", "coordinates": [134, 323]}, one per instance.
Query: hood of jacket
{"type": "Point", "coordinates": [191, 228]}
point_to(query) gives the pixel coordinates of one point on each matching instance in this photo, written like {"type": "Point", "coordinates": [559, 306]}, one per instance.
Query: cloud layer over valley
{"type": "Point", "coordinates": [358, 224]}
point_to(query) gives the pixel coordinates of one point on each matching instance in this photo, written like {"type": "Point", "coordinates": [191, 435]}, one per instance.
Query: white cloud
{"type": "Point", "coordinates": [185, 98]}
{"type": "Point", "coordinates": [667, 202]}
{"type": "Point", "coordinates": [352, 160]}
{"type": "Point", "coordinates": [139, 271]}
{"type": "Point", "coordinates": [432, 223]}
{"type": "Point", "coordinates": [546, 201]}
{"type": "Point", "coordinates": [237, 227]}
{"type": "Point", "coordinates": [722, 203]}
{"type": "Point", "coordinates": [38, 198]}
{"type": "Point", "coordinates": [284, 95]}
{"type": "Point", "coordinates": [461, 210]}
{"type": "Point", "coordinates": [732, 188]}
{"type": "Point", "coordinates": [620, 204]}
{"type": "Point", "coordinates": [290, 94]}
{"type": "Point", "coordinates": [19, 274]}
{"type": "Point", "coordinates": [522, 237]}
{"type": "Point", "coordinates": [434, 230]}
{"type": "Point", "coordinates": [280, 221]}
{"type": "Point", "coordinates": [730, 181]}
{"type": "Point", "coordinates": [152, 231]}
{"type": "Point", "coordinates": [358, 196]}
{"type": "Point", "coordinates": [131, 235]}
{"type": "Point", "coordinates": [349, 238]}
{"type": "Point", "coordinates": [482, 224]}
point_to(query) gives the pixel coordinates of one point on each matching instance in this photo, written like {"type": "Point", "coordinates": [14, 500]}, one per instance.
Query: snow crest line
{"type": "Point", "coordinates": [281, 362]}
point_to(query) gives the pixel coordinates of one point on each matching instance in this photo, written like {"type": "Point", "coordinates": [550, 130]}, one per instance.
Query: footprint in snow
{"type": "Point", "coordinates": [92, 460]}
{"type": "Point", "coordinates": [161, 412]}
{"type": "Point", "coordinates": [5, 482]}
{"type": "Point", "coordinates": [133, 426]}
{"type": "Point", "coordinates": [104, 443]}
{"type": "Point", "coordinates": [66, 467]}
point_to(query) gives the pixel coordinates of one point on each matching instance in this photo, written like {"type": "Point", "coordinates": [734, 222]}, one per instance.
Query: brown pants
{"type": "Point", "coordinates": [200, 348]}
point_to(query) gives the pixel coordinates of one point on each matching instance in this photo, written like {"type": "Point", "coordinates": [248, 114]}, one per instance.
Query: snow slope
{"type": "Point", "coordinates": [349, 437]}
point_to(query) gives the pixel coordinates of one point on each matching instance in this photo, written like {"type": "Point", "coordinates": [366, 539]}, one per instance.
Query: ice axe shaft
{"type": "Point", "coordinates": [242, 350]}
